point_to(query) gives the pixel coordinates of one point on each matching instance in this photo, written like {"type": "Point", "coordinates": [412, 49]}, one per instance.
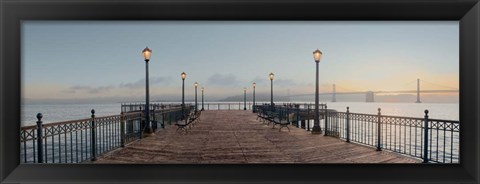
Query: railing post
{"type": "Point", "coordinates": [308, 117]}
{"type": "Point", "coordinates": [170, 118]}
{"type": "Point", "coordinates": [155, 120]}
{"type": "Point", "coordinates": [348, 124]}
{"type": "Point", "coordinates": [298, 115]}
{"type": "Point", "coordinates": [122, 130]}
{"type": "Point", "coordinates": [163, 119]}
{"type": "Point", "coordinates": [141, 123]}
{"type": "Point", "coordinates": [379, 127]}
{"type": "Point", "coordinates": [425, 139]}
{"type": "Point", "coordinates": [326, 120]}
{"type": "Point", "coordinates": [287, 109]}
{"type": "Point", "coordinates": [93, 143]}
{"type": "Point", "coordinates": [152, 119]}
{"type": "Point", "coordinates": [39, 138]}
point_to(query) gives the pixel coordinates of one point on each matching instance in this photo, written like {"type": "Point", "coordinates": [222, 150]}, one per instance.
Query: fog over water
{"type": "Point", "coordinates": [63, 112]}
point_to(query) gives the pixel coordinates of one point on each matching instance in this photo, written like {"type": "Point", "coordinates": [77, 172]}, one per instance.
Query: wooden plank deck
{"type": "Point", "coordinates": [237, 137]}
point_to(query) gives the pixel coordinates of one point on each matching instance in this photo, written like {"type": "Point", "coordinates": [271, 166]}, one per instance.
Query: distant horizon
{"type": "Point", "coordinates": [379, 99]}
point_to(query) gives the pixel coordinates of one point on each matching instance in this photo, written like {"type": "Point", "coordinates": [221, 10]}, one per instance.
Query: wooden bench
{"type": "Point", "coordinates": [260, 110]}
{"type": "Point", "coordinates": [190, 121]}
{"type": "Point", "coordinates": [282, 117]}
{"type": "Point", "coordinates": [293, 118]}
{"type": "Point", "coordinates": [266, 116]}
{"type": "Point", "coordinates": [277, 120]}
{"type": "Point", "coordinates": [187, 121]}
{"type": "Point", "coordinates": [260, 113]}
{"type": "Point", "coordinates": [196, 117]}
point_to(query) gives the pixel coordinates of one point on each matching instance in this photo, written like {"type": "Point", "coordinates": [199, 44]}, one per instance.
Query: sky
{"type": "Point", "coordinates": [82, 60]}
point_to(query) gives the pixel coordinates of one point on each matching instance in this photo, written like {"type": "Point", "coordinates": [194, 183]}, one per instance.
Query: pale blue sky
{"type": "Point", "coordinates": [88, 59]}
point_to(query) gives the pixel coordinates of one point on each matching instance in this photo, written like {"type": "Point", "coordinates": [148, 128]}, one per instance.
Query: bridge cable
{"type": "Point", "coordinates": [439, 85]}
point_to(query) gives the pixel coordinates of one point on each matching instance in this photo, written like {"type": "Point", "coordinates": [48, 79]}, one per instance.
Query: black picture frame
{"type": "Point", "coordinates": [13, 12]}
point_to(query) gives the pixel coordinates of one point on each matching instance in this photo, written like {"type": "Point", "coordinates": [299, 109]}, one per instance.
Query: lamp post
{"type": "Point", "coordinates": [254, 85]}
{"type": "Point", "coordinates": [196, 84]}
{"type": "Point", "coordinates": [183, 75]}
{"type": "Point", "coordinates": [271, 89]}
{"type": "Point", "coordinates": [146, 54]}
{"type": "Point", "coordinates": [317, 55]}
{"type": "Point", "coordinates": [244, 99]}
{"type": "Point", "coordinates": [202, 98]}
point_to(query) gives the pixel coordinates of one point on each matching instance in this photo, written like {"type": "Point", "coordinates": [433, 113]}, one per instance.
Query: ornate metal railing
{"type": "Point", "coordinates": [83, 140]}
{"type": "Point", "coordinates": [437, 143]}
{"type": "Point", "coordinates": [131, 107]}
{"type": "Point", "coordinates": [299, 115]}
{"type": "Point", "coordinates": [224, 106]}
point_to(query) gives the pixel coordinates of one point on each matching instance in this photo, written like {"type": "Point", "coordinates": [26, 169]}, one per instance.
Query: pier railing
{"type": "Point", "coordinates": [130, 107]}
{"type": "Point", "coordinates": [432, 140]}
{"type": "Point", "coordinates": [83, 140]}
{"type": "Point", "coordinates": [226, 106]}
{"type": "Point", "coordinates": [76, 141]}
{"type": "Point", "coordinates": [241, 105]}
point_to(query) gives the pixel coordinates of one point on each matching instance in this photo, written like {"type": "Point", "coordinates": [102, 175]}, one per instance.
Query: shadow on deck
{"type": "Point", "coordinates": [237, 137]}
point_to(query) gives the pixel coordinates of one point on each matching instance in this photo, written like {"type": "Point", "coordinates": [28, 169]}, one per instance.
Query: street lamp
{"type": "Point", "coordinates": [183, 75]}
{"type": "Point", "coordinates": [146, 54]}
{"type": "Point", "coordinates": [317, 55]}
{"type": "Point", "coordinates": [196, 84]}
{"type": "Point", "coordinates": [202, 97]}
{"type": "Point", "coordinates": [254, 85]}
{"type": "Point", "coordinates": [244, 99]}
{"type": "Point", "coordinates": [271, 89]}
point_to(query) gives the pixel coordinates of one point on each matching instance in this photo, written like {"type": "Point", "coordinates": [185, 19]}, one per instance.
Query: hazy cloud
{"type": "Point", "coordinates": [132, 85]}
{"type": "Point", "coordinates": [259, 80]}
{"type": "Point", "coordinates": [68, 91]}
{"type": "Point", "coordinates": [277, 82]}
{"type": "Point", "coordinates": [222, 79]}
{"type": "Point", "coordinates": [141, 82]}
{"type": "Point", "coordinates": [88, 89]}
{"type": "Point", "coordinates": [285, 82]}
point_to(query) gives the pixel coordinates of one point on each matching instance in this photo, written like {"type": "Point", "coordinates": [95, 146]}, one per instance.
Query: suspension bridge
{"type": "Point", "coordinates": [370, 95]}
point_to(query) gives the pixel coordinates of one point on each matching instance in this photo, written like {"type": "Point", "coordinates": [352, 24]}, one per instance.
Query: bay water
{"type": "Point", "coordinates": [64, 112]}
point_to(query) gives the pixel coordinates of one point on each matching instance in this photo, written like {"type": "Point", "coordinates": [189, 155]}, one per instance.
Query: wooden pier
{"type": "Point", "coordinates": [224, 136]}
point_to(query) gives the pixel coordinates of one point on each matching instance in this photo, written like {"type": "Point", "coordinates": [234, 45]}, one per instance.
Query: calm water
{"type": "Point", "coordinates": [436, 110]}
{"type": "Point", "coordinates": [63, 112]}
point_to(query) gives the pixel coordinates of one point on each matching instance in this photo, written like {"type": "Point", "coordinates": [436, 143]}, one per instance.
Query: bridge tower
{"type": "Point", "coordinates": [370, 96]}
{"type": "Point", "coordinates": [334, 99]}
{"type": "Point", "coordinates": [418, 91]}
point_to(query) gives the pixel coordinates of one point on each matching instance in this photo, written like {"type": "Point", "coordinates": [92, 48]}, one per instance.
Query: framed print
{"type": "Point", "coordinates": [244, 91]}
